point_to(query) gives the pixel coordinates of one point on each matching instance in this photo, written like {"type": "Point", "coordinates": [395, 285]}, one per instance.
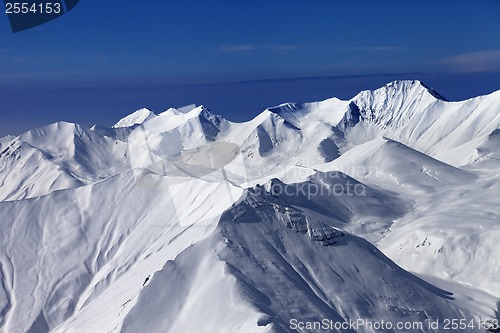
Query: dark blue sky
{"type": "Point", "coordinates": [104, 59]}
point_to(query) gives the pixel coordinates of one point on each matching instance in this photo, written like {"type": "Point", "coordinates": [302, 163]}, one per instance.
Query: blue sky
{"type": "Point", "coordinates": [167, 53]}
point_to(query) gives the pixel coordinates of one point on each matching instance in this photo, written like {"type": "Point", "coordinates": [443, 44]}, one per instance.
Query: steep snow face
{"type": "Point", "coordinates": [395, 104]}
{"type": "Point", "coordinates": [167, 221]}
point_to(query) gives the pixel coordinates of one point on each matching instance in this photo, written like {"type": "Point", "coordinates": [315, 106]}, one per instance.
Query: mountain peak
{"type": "Point", "coordinates": [402, 86]}
{"type": "Point", "coordinates": [135, 118]}
{"type": "Point", "coordinates": [172, 112]}
{"type": "Point", "coordinates": [188, 112]}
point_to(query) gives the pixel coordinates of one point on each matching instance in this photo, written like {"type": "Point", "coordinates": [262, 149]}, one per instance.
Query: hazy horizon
{"type": "Point", "coordinates": [104, 103]}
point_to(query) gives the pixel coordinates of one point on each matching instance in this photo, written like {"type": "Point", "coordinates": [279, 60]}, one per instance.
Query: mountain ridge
{"type": "Point", "coordinates": [307, 211]}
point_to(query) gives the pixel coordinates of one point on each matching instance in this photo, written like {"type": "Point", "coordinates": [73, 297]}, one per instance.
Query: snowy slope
{"type": "Point", "coordinates": [391, 164]}
{"type": "Point", "coordinates": [56, 157]}
{"type": "Point", "coordinates": [451, 231]}
{"type": "Point", "coordinates": [184, 221]}
{"type": "Point", "coordinates": [459, 234]}
{"type": "Point", "coordinates": [409, 112]}
{"type": "Point", "coordinates": [281, 265]}
{"type": "Point", "coordinates": [91, 248]}
{"type": "Point", "coordinates": [406, 111]}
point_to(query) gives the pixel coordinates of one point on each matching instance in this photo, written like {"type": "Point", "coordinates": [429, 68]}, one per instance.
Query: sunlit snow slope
{"type": "Point", "coordinates": [382, 207]}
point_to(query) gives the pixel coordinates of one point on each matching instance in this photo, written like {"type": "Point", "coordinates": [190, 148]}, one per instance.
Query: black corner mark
{"type": "Point", "coordinates": [26, 14]}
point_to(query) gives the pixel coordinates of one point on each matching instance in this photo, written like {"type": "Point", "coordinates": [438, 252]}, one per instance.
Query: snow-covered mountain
{"type": "Point", "coordinates": [383, 207]}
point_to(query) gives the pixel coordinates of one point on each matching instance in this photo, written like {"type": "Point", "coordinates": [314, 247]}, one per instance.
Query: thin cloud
{"type": "Point", "coordinates": [238, 48]}
{"type": "Point", "coordinates": [473, 62]}
{"type": "Point", "coordinates": [11, 77]}
{"type": "Point", "coordinates": [256, 47]}
{"type": "Point", "coordinates": [16, 59]}
{"type": "Point", "coordinates": [371, 48]}
{"type": "Point", "coordinates": [284, 47]}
